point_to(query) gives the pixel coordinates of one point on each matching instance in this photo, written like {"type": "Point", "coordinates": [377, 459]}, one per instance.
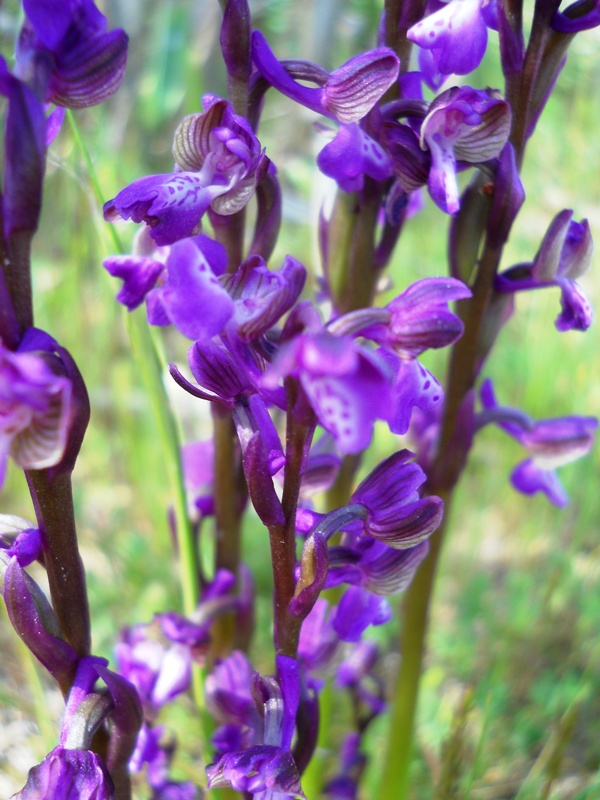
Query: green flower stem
{"type": "Point", "coordinates": [351, 251]}
{"type": "Point", "coordinates": [394, 782]}
{"type": "Point", "coordinates": [466, 358]}
{"type": "Point", "coordinates": [152, 370]}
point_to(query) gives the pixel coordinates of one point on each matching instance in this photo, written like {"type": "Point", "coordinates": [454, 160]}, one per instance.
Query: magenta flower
{"type": "Point", "coordinates": [395, 513]}
{"type": "Point", "coordinates": [456, 35]}
{"type": "Point", "coordinates": [564, 255]}
{"type": "Point", "coordinates": [218, 163]}
{"type": "Point", "coordinates": [66, 53]}
{"type": "Point", "coordinates": [35, 406]}
{"type": "Point", "coordinates": [419, 318]}
{"type": "Point", "coordinates": [550, 443]}
{"type": "Point", "coordinates": [347, 94]}
{"type": "Point", "coordinates": [346, 385]}
{"type": "Point", "coordinates": [463, 124]}
{"type": "Point", "coordinates": [68, 774]}
{"type": "Point", "coordinates": [351, 155]}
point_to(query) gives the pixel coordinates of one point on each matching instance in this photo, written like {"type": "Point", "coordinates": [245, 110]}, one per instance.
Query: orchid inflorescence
{"type": "Point", "coordinates": [296, 379]}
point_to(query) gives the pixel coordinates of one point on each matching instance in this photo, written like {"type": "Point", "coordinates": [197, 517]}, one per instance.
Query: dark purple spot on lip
{"type": "Point", "coordinates": [426, 385]}
{"type": "Point", "coordinates": [431, 34]}
{"type": "Point", "coordinates": [435, 398]}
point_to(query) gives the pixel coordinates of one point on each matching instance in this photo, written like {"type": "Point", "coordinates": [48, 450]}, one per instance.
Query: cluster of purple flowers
{"type": "Point", "coordinates": [301, 383]}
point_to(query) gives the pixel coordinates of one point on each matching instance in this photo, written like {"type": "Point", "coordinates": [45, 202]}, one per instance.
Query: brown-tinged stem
{"type": "Point", "coordinates": [398, 19]}
{"type": "Point", "coordinates": [53, 502]}
{"type": "Point", "coordinates": [226, 490]}
{"type": "Point", "coordinates": [282, 538]}
{"type": "Point", "coordinates": [229, 231]}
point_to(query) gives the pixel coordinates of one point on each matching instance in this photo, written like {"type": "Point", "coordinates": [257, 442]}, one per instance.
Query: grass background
{"type": "Point", "coordinates": [510, 702]}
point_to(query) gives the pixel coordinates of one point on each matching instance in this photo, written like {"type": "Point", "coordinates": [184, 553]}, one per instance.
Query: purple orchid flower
{"type": "Point", "coordinates": [564, 255]}
{"type": "Point", "coordinates": [416, 320]}
{"type": "Point", "coordinates": [191, 298]}
{"type": "Point", "coordinates": [551, 443]}
{"type": "Point", "coordinates": [66, 54]}
{"type": "Point", "coordinates": [35, 407]}
{"type": "Point", "coordinates": [218, 164]}
{"type": "Point", "coordinates": [262, 296]}
{"type": "Point", "coordinates": [351, 156]}
{"type": "Point", "coordinates": [228, 694]}
{"type": "Point", "coordinates": [158, 672]}
{"type": "Point", "coordinates": [266, 770]}
{"type": "Point", "coordinates": [151, 751]}
{"type": "Point", "coordinates": [319, 642]}
{"type": "Point", "coordinates": [357, 610]}
{"type": "Point", "coordinates": [20, 539]}
{"type": "Point", "coordinates": [344, 785]}
{"type": "Point", "coordinates": [378, 568]}
{"type": "Point", "coordinates": [456, 34]}
{"type": "Point", "coordinates": [191, 291]}
{"type": "Point", "coordinates": [346, 385]}
{"type": "Point", "coordinates": [395, 514]}
{"type": "Point", "coordinates": [346, 95]}
{"type": "Point", "coordinates": [463, 124]}
{"type": "Point", "coordinates": [71, 774]}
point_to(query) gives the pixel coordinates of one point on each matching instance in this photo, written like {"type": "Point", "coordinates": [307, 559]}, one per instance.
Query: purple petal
{"type": "Point", "coordinates": [69, 775]}
{"type": "Point", "coordinates": [555, 442]}
{"type": "Point", "coordinates": [349, 92]}
{"type": "Point", "coordinates": [420, 318]}
{"type": "Point", "coordinates": [261, 296]}
{"type": "Point", "coordinates": [75, 59]}
{"type": "Point", "coordinates": [139, 275]}
{"type": "Point", "coordinates": [174, 676]}
{"type": "Point", "coordinates": [576, 311]}
{"type": "Point", "coordinates": [353, 89]}
{"type": "Point", "coordinates": [192, 297]}
{"type": "Point", "coordinates": [387, 571]}
{"type": "Point", "coordinates": [357, 610]}
{"type": "Point", "coordinates": [273, 71]}
{"type": "Point", "coordinates": [172, 205]}
{"type": "Point", "coordinates": [456, 33]}
{"type": "Point", "coordinates": [258, 769]}
{"type": "Point", "coordinates": [414, 386]}
{"type": "Point", "coordinates": [54, 124]}
{"type": "Point", "coordinates": [350, 156]}
{"type": "Point", "coordinates": [318, 640]}
{"type": "Point", "coordinates": [228, 696]}
{"type": "Point", "coordinates": [529, 479]}
{"type": "Point", "coordinates": [25, 149]}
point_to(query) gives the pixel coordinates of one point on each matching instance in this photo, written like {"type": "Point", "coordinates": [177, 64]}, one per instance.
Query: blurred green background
{"type": "Point", "coordinates": [510, 704]}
